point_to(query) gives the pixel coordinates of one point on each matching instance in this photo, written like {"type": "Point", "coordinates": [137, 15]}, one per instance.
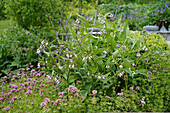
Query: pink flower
{"type": "Point", "coordinates": [84, 59]}
{"type": "Point", "coordinates": [12, 90]}
{"type": "Point", "coordinates": [7, 108]}
{"type": "Point", "coordinates": [149, 72]}
{"type": "Point", "coordinates": [14, 98]}
{"type": "Point", "coordinates": [131, 88]}
{"type": "Point", "coordinates": [58, 100]}
{"type": "Point", "coordinates": [107, 67]}
{"type": "Point", "coordinates": [119, 94]}
{"type": "Point", "coordinates": [43, 104]}
{"type": "Point", "coordinates": [108, 97]}
{"type": "Point", "coordinates": [165, 71]}
{"type": "Point", "coordinates": [137, 87]}
{"type": "Point", "coordinates": [103, 22]}
{"type": "Point", "coordinates": [60, 96]}
{"type": "Point", "coordinates": [27, 100]}
{"type": "Point", "coordinates": [138, 55]}
{"type": "Point", "coordinates": [47, 100]}
{"type": "Point", "coordinates": [61, 93]}
{"type": "Point", "coordinates": [117, 46]}
{"type": "Point", "coordinates": [29, 88]}
{"type": "Point", "coordinates": [28, 92]}
{"type": "Point", "coordinates": [78, 81]}
{"type": "Point", "coordinates": [133, 64]}
{"type": "Point", "coordinates": [42, 94]}
{"type": "Point", "coordinates": [94, 92]}
{"type": "Point", "coordinates": [76, 94]}
{"type": "Point", "coordinates": [81, 97]}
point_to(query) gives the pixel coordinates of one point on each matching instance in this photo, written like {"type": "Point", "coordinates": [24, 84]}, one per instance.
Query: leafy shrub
{"type": "Point", "coordinates": [26, 13]}
{"type": "Point", "coordinates": [17, 48]}
{"type": "Point", "coordinates": [116, 71]}
{"type": "Point", "coordinates": [2, 10]}
{"type": "Point", "coordinates": [116, 59]}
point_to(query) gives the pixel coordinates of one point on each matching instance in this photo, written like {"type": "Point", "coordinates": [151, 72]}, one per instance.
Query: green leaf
{"type": "Point", "coordinates": [99, 58]}
{"type": "Point", "coordinates": [98, 51]}
{"type": "Point", "coordinates": [142, 72]}
{"type": "Point", "coordinates": [127, 70]}
{"type": "Point", "coordinates": [84, 94]}
{"type": "Point", "coordinates": [126, 63]}
{"type": "Point", "coordinates": [88, 87]}
{"type": "Point", "coordinates": [15, 63]}
{"type": "Point", "coordinates": [65, 76]}
{"type": "Point", "coordinates": [115, 54]}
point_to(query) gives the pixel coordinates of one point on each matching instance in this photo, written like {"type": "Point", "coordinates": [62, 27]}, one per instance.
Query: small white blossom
{"type": "Point", "coordinates": [99, 77]}
{"type": "Point", "coordinates": [38, 51]}
{"type": "Point", "coordinates": [105, 52]}
{"type": "Point", "coordinates": [120, 66]}
{"type": "Point", "coordinates": [83, 59]}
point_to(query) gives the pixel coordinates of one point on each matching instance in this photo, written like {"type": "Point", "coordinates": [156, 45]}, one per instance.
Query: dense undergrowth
{"type": "Point", "coordinates": [116, 71]}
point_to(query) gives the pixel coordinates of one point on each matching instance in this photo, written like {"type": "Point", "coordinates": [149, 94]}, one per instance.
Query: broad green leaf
{"type": "Point", "coordinates": [65, 76]}
{"type": "Point", "coordinates": [142, 72]}
{"type": "Point", "coordinates": [127, 70]}
{"type": "Point", "coordinates": [99, 58]}
{"type": "Point", "coordinates": [126, 63]}
{"type": "Point", "coordinates": [115, 54]}
{"type": "Point", "coordinates": [98, 51]}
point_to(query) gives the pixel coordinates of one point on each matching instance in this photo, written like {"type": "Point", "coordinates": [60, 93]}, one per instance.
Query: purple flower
{"type": "Point", "coordinates": [83, 14]}
{"type": "Point", "coordinates": [7, 108]}
{"type": "Point", "coordinates": [144, 16]}
{"type": "Point", "coordinates": [117, 46]}
{"type": "Point", "coordinates": [43, 104]}
{"type": "Point", "coordinates": [128, 15]}
{"type": "Point", "coordinates": [66, 21]}
{"type": "Point", "coordinates": [94, 92]}
{"type": "Point", "coordinates": [166, 5]}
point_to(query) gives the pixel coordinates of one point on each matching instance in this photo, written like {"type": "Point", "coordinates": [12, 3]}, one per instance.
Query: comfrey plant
{"type": "Point", "coordinates": [115, 58]}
